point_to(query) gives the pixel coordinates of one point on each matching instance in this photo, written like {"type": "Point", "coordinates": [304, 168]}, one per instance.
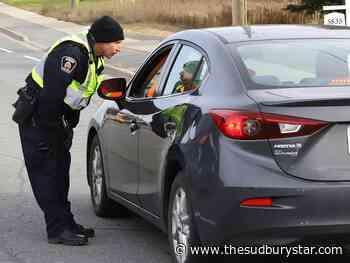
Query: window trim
{"type": "Point", "coordinates": [205, 58]}
{"type": "Point", "coordinates": [168, 66]}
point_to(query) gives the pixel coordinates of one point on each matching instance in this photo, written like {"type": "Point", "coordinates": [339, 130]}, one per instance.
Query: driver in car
{"type": "Point", "coordinates": [186, 81]}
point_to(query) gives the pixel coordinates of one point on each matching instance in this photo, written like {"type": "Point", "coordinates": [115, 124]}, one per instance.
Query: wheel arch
{"type": "Point", "coordinates": [92, 133]}
{"type": "Point", "coordinates": [175, 162]}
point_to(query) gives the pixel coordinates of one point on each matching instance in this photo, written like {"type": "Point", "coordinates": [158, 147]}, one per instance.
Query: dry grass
{"type": "Point", "coordinates": [272, 12]}
{"type": "Point", "coordinates": [182, 13]}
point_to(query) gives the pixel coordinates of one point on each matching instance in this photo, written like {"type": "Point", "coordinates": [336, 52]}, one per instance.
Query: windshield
{"type": "Point", "coordinates": [296, 63]}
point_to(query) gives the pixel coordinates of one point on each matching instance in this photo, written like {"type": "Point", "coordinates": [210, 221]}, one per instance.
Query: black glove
{"type": "Point", "coordinates": [72, 117]}
{"type": "Point", "coordinates": [67, 135]}
{"type": "Point", "coordinates": [69, 139]}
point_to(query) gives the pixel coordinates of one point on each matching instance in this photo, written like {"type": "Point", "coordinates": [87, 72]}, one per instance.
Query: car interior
{"type": "Point", "coordinates": [146, 85]}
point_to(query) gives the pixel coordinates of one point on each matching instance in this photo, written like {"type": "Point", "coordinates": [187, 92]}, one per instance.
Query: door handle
{"type": "Point", "coordinates": [133, 127]}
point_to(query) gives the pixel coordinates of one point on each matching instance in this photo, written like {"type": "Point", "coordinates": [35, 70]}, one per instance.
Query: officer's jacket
{"type": "Point", "coordinates": [68, 75]}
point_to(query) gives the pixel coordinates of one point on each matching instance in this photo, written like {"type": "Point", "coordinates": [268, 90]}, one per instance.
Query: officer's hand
{"type": "Point", "coordinates": [72, 118]}
{"type": "Point", "coordinates": [68, 137]}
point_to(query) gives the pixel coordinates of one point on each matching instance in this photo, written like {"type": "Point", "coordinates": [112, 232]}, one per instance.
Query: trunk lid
{"type": "Point", "coordinates": [323, 155]}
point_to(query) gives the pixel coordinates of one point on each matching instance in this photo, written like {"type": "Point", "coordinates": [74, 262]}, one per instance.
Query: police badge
{"type": "Point", "coordinates": [68, 64]}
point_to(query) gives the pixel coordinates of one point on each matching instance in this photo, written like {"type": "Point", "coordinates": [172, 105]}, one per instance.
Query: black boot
{"type": "Point", "coordinates": [67, 237]}
{"type": "Point", "coordinates": [81, 230]}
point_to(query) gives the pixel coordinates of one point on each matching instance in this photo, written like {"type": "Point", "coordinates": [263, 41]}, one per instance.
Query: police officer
{"type": "Point", "coordinates": [66, 79]}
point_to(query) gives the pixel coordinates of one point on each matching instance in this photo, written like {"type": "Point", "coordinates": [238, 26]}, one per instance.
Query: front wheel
{"type": "Point", "coordinates": [102, 204]}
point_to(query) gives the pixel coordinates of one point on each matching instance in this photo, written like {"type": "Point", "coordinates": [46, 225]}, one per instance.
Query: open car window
{"type": "Point", "coordinates": [147, 82]}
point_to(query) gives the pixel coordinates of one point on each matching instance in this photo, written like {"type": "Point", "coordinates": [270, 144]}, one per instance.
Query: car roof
{"type": "Point", "coordinates": [236, 34]}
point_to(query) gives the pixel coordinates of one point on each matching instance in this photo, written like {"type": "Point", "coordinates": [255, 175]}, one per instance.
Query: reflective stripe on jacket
{"type": "Point", "coordinates": [78, 94]}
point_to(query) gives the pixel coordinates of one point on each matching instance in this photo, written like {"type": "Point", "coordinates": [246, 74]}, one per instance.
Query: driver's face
{"type": "Point", "coordinates": [186, 77]}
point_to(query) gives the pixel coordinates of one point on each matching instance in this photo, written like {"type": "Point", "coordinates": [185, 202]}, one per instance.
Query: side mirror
{"type": "Point", "coordinates": [112, 89]}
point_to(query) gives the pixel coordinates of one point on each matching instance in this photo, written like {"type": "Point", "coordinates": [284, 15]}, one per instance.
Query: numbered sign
{"type": "Point", "coordinates": [335, 19]}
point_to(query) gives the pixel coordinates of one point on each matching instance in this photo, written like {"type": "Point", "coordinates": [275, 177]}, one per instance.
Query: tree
{"type": "Point", "coordinates": [311, 6]}
{"type": "Point", "coordinates": [239, 12]}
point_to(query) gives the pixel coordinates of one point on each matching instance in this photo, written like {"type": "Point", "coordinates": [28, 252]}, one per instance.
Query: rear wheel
{"type": "Point", "coordinates": [181, 228]}
{"type": "Point", "coordinates": [102, 204]}
{"type": "Point", "coordinates": [182, 231]}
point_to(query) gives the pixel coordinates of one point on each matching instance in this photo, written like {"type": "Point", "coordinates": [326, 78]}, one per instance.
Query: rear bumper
{"type": "Point", "coordinates": [223, 172]}
{"type": "Point", "coordinates": [308, 213]}
{"type": "Point", "coordinates": [302, 210]}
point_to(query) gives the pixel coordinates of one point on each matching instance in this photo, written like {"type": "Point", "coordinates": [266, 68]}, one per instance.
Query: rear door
{"type": "Point", "coordinates": [308, 81]}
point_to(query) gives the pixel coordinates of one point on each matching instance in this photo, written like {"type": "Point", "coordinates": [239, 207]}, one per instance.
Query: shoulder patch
{"type": "Point", "coordinates": [68, 64]}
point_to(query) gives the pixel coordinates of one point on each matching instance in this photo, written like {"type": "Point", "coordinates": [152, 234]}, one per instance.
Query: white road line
{"type": "Point", "coordinates": [6, 50]}
{"type": "Point", "coordinates": [32, 58]}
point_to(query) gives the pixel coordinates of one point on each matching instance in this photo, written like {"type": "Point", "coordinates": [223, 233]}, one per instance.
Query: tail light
{"type": "Point", "coordinates": [244, 125]}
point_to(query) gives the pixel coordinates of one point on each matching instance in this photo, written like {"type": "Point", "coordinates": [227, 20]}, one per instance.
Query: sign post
{"type": "Point", "coordinates": [73, 3]}
{"type": "Point", "coordinates": [239, 12]}
{"type": "Point", "coordinates": [337, 18]}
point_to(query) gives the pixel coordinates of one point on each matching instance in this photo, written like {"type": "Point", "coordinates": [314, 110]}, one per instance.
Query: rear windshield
{"type": "Point", "coordinates": [295, 63]}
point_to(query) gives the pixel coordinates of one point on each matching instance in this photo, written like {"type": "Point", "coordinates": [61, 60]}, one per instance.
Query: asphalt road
{"type": "Point", "coordinates": [22, 229]}
{"type": "Point", "coordinates": [41, 34]}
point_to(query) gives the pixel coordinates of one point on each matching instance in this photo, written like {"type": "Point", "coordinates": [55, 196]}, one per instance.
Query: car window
{"type": "Point", "coordinates": [187, 73]}
{"type": "Point", "coordinates": [147, 82]}
{"type": "Point", "coordinates": [297, 63]}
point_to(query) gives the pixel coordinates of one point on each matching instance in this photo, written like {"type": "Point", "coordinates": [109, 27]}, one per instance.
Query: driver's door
{"type": "Point", "coordinates": [122, 126]}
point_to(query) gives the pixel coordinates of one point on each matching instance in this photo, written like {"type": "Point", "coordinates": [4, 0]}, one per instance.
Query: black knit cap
{"type": "Point", "coordinates": [106, 29]}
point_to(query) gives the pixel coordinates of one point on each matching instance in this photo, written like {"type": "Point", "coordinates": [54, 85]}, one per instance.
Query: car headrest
{"type": "Point", "coordinates": [330, 66]}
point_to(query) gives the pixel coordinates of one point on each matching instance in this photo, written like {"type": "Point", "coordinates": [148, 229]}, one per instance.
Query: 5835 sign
{"type": "Point", "coordinates": [335, 19]}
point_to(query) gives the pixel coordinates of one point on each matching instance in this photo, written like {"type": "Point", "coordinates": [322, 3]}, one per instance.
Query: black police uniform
{"type": "Point", "coordinates": [46, 140]}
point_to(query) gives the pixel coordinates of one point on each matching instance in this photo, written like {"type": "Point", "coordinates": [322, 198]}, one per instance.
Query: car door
{"type": "Point", "coordinates": [122, 153]}
{"type": "Point", "coordinates": [160, 126]}
{"type": "Point", "coordinates": [122, 126]}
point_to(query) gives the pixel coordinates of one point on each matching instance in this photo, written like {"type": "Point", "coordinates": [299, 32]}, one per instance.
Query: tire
{"type": "Point", "coordinates": [179, 190]}
{"type": "Point", "coordinates": [103, 206]}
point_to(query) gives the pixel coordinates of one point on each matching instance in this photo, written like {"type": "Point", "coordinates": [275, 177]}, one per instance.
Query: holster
{"type": "Point", "coordinates": [25, 104]}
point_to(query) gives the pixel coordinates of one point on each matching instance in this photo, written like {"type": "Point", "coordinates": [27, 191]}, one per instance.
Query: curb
{"type": "Point", "coordinates": [21, 37]}
{"type": "Point", "coordinates": [14, 35]}
{"type": "Point", "coordinates": [49, 22]}
{"type": "Point", "coordinates": [25, 39]}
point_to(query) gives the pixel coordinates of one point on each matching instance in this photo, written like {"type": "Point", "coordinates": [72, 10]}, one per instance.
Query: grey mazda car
{"type": "Point", "coordinates": [236, 135]}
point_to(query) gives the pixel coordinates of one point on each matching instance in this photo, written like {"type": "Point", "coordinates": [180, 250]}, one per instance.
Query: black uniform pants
{"type": "Point", "coordinates": [48, 170]}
